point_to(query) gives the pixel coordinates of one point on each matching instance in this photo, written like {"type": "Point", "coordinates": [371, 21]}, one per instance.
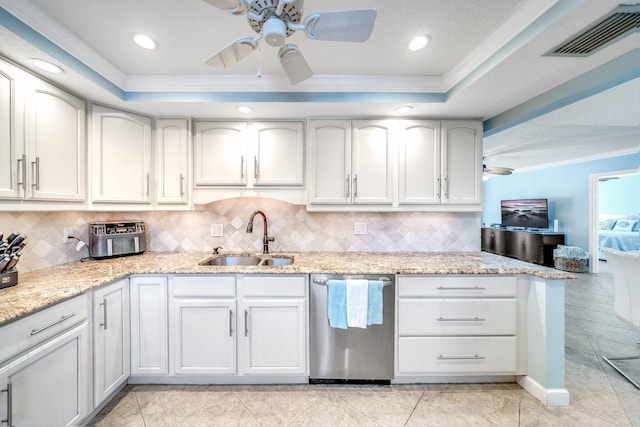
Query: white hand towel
{"type": "Point", "coordinates": [357, 301]}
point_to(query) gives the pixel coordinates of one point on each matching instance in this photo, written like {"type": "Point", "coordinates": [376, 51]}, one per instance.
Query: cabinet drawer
{"type": "Point", "coordinates": [456, 286]}
{"type": "Point", "coordinates": [457, 317]}
{"type": "Point", "coordinates": [42, 325]}
{"type": "Point", "coordinates": [456, 355]}
{"type": "Point", "coordinates": [203, 286]}
{"type": "Point", "coordinates": [274, 286]}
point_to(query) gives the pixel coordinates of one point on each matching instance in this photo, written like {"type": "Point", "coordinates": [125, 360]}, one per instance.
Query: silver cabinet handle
{"type": "Point", "coordinates": [438, 186]}
{"type": "Point", "coordinates": [242, 167]}
{"type": "Point", "coordinates": [460, 319]}
{"type": "Point", "coordinates": [9, 391]}
{"type": "Point", "coordinates": [256, 167]}
{"type": "Point", "coordinates": [22, 171]}
{"type": "Point", "coordinates": [463, 288]}
{"type": "Point", "coordinates": [230, 323]}
{"type": "Point", "coordinates": [348, 180]}
{"type": "Point", "coordinates": [51, 325]}
{"type": "Point", "coordinates": [474, 357]}
{"type": "Point", "coordinates": [35, 171]}
{"type": "Point", "coordinates": [446, 187]}
{"type": "Point", "coordinates": [147, 179]}
{"type": "Point", "coordinates": [181, 185]}
{"type": "Point", "coordinates": [246, 325]}
{"type": "Point", "coordinates": [355, 185]}
{"type": "Point", "coordinates": [104, 313]}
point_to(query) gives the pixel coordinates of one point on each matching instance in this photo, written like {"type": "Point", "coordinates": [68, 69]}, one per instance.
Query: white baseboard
{"type": "Point", "coordinates": [549, 397]}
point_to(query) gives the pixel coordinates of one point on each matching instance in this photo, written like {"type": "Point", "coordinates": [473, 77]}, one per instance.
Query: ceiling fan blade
{"type": "Point", "coordinates": [233, 53]}
{"type": "Point", "coordinates": [353, 25]}
{"type": "Point", "coordinates": [498, 171]}
{"type": "Point", "coordinates": [294, 64]}
{"type": "Point", "coordinates": [232, 6]}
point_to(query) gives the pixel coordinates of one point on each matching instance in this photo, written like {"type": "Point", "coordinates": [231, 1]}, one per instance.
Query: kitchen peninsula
{"type": "Point", "coordinates": [536, 294]}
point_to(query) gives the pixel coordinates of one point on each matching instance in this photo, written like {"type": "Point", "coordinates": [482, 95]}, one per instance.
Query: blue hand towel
{"type": "Point", "coordinates": [374, 305]}
{"type": "Point", "coordinates": [337, 303]}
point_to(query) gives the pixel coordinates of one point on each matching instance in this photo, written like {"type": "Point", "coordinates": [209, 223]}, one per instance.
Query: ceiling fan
{"type": "Point", "coordinates": [275, 20]}
{"type": "Point", "coordinates": [494, 170]}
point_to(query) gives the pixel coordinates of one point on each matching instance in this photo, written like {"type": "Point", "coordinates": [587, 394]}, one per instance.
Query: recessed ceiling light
{"type": "Point", "coordinates": [404, 109]}
{"type": "Point", "coordinates": [244, 109]}
{"type": "Point", "coordinates": [46, 66]}
{"type": "Point", "coordinates": [419, 43]}
{"type": "Point", "coordinates": [144, 41]}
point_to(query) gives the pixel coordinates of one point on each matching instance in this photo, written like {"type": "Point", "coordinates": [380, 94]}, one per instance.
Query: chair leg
{"type": "Point", "coordinates": [620, 371]}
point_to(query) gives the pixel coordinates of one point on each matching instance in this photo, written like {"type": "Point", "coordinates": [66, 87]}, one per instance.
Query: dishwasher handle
{"type": "Point", "coordinates": [323, 282]}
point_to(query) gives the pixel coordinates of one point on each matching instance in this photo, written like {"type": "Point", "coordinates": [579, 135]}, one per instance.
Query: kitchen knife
{"type": "Point", "coordinates": [12, 262]}
{"type": "Point", "coordinates": [11, 237]}
{"type": "Point", "coordinates": [16, 242]}
{"type": "Point", "coordinates": [3, 263]}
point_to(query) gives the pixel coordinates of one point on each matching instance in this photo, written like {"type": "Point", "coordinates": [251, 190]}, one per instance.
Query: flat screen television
{"type": "Point", "coordinates": [527, 213]}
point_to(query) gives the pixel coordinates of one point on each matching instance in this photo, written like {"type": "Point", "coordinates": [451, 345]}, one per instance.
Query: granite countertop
{"type": "Point", "coordinates": [41, 288]}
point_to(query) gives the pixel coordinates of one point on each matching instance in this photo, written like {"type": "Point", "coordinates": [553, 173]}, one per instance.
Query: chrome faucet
{"type": "Point", "coordinates": [265, 239]}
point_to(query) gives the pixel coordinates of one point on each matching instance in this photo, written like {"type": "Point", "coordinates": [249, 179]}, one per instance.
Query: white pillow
{"type": "Point", "coordinates": [624, 225]}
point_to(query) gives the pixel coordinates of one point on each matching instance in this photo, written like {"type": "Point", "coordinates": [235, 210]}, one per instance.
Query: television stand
{"type": "Point", "coordinates": [530, 246]}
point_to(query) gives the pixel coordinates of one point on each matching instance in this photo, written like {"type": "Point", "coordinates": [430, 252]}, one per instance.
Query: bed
{"type": "Point", "coordinates": [619, 234]}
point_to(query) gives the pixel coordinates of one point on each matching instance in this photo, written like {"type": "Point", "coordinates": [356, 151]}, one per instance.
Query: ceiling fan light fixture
{"type": "Point", "coordinates": [419, 43]}
{"type": "Point", "coordinates": [404, 109]}
{"type": "Point", "coordinates": [46, 66]}
{"type": "Point", "coordinates": [294, 64]}
{"type": "Point", "coordinates": [144, 41]}
{"type": "Point", "coordinates": [274, 31]}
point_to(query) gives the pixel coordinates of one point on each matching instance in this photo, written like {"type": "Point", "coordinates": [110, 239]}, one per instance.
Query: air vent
{"type": "Point", "coordinates": [621, 22]}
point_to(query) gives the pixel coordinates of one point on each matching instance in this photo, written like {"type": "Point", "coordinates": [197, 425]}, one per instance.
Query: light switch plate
{"type": "Point", "coordinates": [360, 228]}
{"type": "Point", "coordinates": [217, 230]}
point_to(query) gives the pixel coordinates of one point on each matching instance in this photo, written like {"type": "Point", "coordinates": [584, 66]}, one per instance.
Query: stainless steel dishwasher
{"type": "Point", "coordinates": [350, 355]}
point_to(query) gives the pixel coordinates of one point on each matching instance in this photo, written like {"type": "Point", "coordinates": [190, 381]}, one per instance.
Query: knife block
{"type": "Point", "coordinates": [10, 278]}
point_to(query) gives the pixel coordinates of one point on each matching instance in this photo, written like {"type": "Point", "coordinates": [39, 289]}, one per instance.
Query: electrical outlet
{"type": "Point", "coordinates": [66, 232]}
{"type": "Point", "coordinates": [360, 228]}
{"type": "Point", "coordinates": [217, 230]}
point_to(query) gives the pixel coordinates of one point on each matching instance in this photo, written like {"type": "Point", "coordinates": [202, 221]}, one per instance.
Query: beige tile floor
{"type": "Point", "coordinates": [599, 396]}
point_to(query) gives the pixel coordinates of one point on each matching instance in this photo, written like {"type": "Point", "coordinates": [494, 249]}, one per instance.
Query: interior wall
{"type": "Point", "coordinates": [566, 188]}
{"type": "Point", "coordinates": [620, 197]}
{"type": "Point", "coordinates": [294, 229]}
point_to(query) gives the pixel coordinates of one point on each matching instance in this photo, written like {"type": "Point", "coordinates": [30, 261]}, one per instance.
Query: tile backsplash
{"type": "Point", "coordinates": [293, 227]}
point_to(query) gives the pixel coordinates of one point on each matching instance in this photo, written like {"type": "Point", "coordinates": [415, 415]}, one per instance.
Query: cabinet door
{"type": "Point", "coordinates": [462, 162]}
{"type": "Point", "coordinates": [149, 337]}
{"type": "Point", "coordinates": [111, 353]}
{"type": "Point", "coordinates": [11, 132]}
{"type": "Point", "coordinates": [203, 336]}
{"type": "Point", "coordinates": [171, 153]}
{"type": "Point", "coordinates": [56, 139]}
{"type": "Point", "coordinates": [220, 153]}
{"type": "Point", "coordinates": [372, 179]}
{"type": "Point", "coordinates": [329, 162]}
{"type": "Point", "coordinates": [49, 386]}
{"type": "Point", "coordinates": [419, 163]}
{"type": "Point", "coordinates": [279, 155]}
{"type": "Point", "coordinates": [272, 338]}
{"type": "Point", "coordinates": [121, 156]}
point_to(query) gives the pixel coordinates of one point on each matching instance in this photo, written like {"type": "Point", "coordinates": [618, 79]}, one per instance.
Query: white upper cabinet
{"type": "Point", "coordinates": [462, 162]}
{"type": "Point", "coordinates": [120, 156]}
{"type": "Point", "coordinates": [249, 154]}
{"type": "Point", "coordinates": [171, 168]}
{"type": "Point", "coordinates": [350, 162]}
{"type": "Point", "coordinates": [42, 139]}
{"type": "Point", "coordinates": [419, 162]}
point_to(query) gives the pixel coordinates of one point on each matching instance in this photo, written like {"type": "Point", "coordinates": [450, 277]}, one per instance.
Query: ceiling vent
{"type": "Point", "coordinates": [620, 22]}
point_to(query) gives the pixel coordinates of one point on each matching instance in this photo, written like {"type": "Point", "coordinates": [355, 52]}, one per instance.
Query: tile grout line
{"type": "Point", "coordinates": [415, 406]}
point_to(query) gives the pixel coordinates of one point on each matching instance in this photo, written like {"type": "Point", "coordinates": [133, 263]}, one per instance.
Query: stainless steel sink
{"type": "Point", "coordinates": [232, 260]}
{"type": "Point", "coordinates": [278, 261]}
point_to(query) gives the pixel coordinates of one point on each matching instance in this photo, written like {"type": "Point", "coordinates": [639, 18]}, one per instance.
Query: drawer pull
{"type": "Point", "coordinates": [474, 357]}
{"type": "Point", "coordinates": [44, 328]}
{"type": "Point", "coordinates": [460, 319]}
{"type": "Point", "coordinates": [9, 419]}
{"type": "Point", "coordinates": [463, 288]}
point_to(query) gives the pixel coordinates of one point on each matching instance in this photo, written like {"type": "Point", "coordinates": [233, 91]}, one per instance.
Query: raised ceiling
{"type": "Point", "coordinates": [486, 60]}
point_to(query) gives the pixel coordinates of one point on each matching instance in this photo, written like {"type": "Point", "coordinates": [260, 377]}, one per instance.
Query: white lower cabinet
{"type": "Point", "coordinates": [149, 351]}
{"type": "Point", "coordinates": [457, 325]}
{"type": "Point", "coordinates": [265, 335]}
{"type": "Point", "coordinates": [111, 350]}
{"type": "Point", "coordinates": [49, 383]}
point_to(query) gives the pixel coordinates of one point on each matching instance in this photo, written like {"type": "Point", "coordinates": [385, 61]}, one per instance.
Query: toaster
{"type": "Point", "coordinates": [117, 238]}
